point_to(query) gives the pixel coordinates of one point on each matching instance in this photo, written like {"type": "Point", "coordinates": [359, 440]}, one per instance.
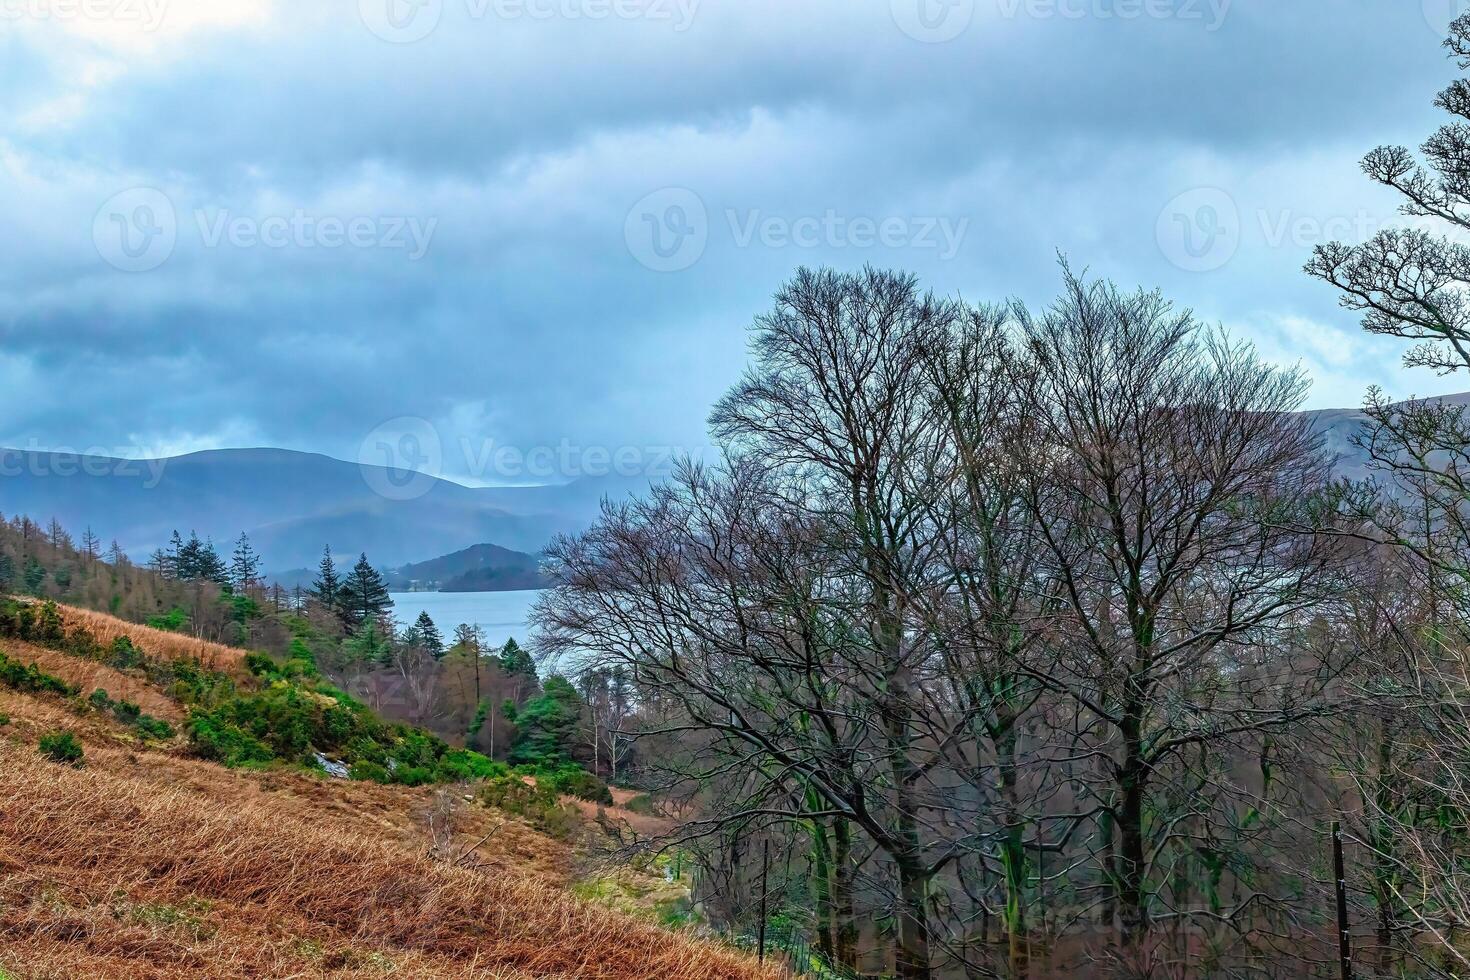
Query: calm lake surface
{"type": "Point", "coordinates": [501, 614]}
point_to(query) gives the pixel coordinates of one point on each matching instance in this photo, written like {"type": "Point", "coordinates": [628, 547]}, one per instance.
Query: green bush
{"type": "Point", "coordinates": [643, 804]}
{"type": "Point", "coordinates": [576, 781]}
{"type": "Point", "coordinates": [155, 728]}
{"type": "Point", "coordinates": [31, 679]}
{"type": "Point", "coordinates": [413, 775]}
{"type": "Point", "coordinates": [369, 772]}
{"type": "Point", "coordinates": [226, 743]}
{"type": "Point", "coordinates": [61, 747]}
{"type": "Point", "coordinates": [462, 765]}
{"type": "Point", "coordinates": [173, 620]}
{"type": "Point", "coordinates": [130, 714]}
{"type": "Point", "coordinates": [4, 719]}
{"type": "Point", "coordinates": [123, 655]}
{"type": "Point", "coordinates": [538, 804]}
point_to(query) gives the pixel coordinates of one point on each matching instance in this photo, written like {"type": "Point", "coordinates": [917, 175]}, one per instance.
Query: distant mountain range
{"type": "Point", "coordinates": [291, 504]}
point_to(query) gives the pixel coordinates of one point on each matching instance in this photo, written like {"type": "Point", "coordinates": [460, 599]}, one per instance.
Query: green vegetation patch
{"type": "Point", "coordinates": [61, 747]}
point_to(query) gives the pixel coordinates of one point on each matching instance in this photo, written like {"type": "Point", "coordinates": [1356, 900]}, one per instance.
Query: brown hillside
{"type": "Point", "coordinates": [146, 864]}
{"type": "Point", "coordinates": [156, 643]}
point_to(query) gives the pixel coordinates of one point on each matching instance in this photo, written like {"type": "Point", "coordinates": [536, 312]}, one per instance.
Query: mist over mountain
{"type": "Point", "coordinates": [291, 504]}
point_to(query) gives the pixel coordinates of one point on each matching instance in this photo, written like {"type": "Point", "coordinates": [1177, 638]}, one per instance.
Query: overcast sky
{"type": "Point", "coordinates": [510, 224]}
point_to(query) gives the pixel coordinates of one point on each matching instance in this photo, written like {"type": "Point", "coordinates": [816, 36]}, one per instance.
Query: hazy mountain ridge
{"type": "Point", "coordinates": [290, 503]}
{"type": "Point", "coordinates": [293, 503]}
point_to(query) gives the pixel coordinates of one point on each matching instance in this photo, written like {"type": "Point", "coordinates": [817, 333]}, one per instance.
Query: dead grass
{"type": "Point", "coordinates": [143, 865]}
{"type": "Point", "coordinates": [160, 644]}
{"type": "Point", "coordinates": [90, 675]}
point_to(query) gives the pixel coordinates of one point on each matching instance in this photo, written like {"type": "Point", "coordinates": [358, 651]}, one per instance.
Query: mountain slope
{"type": "Point", "coordinates": [144, 863]}
{"type": "Point", "coordinates": [290, 503]}
{"type": "Point", "coordinates": [481, 568]}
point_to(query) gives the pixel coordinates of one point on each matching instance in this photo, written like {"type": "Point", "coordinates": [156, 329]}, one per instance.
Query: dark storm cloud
{"type": "Point", "coordinates": [364, 230]}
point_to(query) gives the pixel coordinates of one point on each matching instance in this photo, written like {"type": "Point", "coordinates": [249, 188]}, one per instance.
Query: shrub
{"type": "Point", "coordinates": [413, 775]}
{"type": "Point", "coordinates": [172, 621]}
{"type": "Point", "coordinates": [578, 782]}
{"type": "Point", "coordinates": [538, 804]}
{"type": "Point", "coordinates": [462, 765]}
{"type": "Point", "coordinates": [369, 772]}
{"type": "Point", "coordinates": [155, 728]}
{"type": "Point", "coordinates": [123, 655]}
{"type": "Point", "coordinates": [643, 804]}
{"type": "Point", "coordinates": [226, 743]}
{"type": "Point", "coordinates": [61, 747]}
{"type": "Point", "coordinates": [32, 680]}
{"type": "Point", "coordinates": [130, 714]}
{"type": "Point", "coordinates": [4, 719]}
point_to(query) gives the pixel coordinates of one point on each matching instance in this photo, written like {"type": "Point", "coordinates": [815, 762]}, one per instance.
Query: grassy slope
{"type": "Point", "coordinates": [148, 864]}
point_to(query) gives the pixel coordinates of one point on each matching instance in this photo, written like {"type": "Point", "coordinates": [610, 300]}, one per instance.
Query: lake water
{"type": "Point", "coordinates": [501, 615]}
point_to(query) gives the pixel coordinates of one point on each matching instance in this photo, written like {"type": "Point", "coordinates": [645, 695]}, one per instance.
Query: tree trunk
{"type": "Point", "coordinates": [1013, 856]}
{"type": "Point", "coordinates": [847, 928]}
{"type": "Point", "coordinates": [822, 891]}
{"type": "Point", "coordinates": [1130, 864]}
{"type": "Point", "coordinates": [913, 920]}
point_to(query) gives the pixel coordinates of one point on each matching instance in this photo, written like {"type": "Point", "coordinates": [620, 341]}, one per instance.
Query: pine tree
{"type": "Point", "coordinates": [368, 645]}
{"type": "Point", "coordinates": [35, 577]}
{"type": "Point", "coordinates": [429, 636]}
{"type": "Point", "coordinates": [115, 556]}
{"type": "Point", "coordinates": [547, 727]}
{"type": "Point", "coordinates": [174, 557]}
{"type": "Point", "coordinates": [57, 534]}
{"type": "Point", "coordinates": [517, 664]}
{"type": "Point", "coordinates": [327, 589]}
{"type": "Point", "coordinates": [215, 569]}
{"type": "Point", "coordinates": [364, 595]}
{"type": "Point", "coordinates": [91, 545]}
{"type": "Point", "coordinates": [7, 572]}
{"type": "Point", "coordinates": [245, 566]}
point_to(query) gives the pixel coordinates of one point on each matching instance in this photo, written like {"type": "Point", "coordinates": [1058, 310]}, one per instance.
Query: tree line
{"type": "Point", "coordinates": [1049, 642]}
